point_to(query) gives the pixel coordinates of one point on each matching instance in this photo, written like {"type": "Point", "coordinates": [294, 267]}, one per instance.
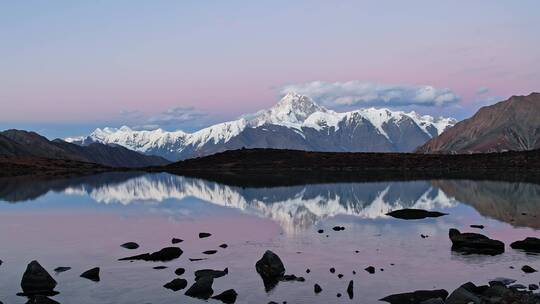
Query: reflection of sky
{"type": "Point", "coordinates": [75, 230]}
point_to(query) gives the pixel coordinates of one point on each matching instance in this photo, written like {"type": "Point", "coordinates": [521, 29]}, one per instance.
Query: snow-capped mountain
{"type": "Point", "coordinates": [295, 122]}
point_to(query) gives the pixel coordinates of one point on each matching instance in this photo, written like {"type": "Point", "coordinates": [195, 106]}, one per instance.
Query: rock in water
{"type": "Point", "coordinates": [224, 246]}
{"type": "Point", "coordinates": [228, 296]}
{"type": "Point", "coordinates": [210, 273]}
{"type": "Point", "coordinates": [61, 269]}
{"type": "Point", "coordinates": [176, 240]}
{"type": "Point", "coordinates": [530, 244]}
{"type": "Point", "coordinates": [317, 288]}
{"type": "Point", "coordinates": [474, 243]}
{"type": "Point", "coordinates": [176, 284]}
{"type": "Point", "coordinates": [41, 300]}
{"type": "Point", "coordinates": [201, 289]}
{"type": "Point", "coordinates": [179, 271]}
{"type": "Point", "coordinates": [271, 269]}
{"type": "Point", "coordinates": [130, 245]}
{"type": "Point", "coordinates": [370, 269]}
{"type": "Point", "coordinates": [164, 255]}
{"type": "Point", "coordinates": [477, 226]}
{"type": "Point", "coordinates": [462, 295]}
{"type": "Point", "coordinates": [528, 269]}
{"type": "Point", "coordinates": [160, 267]}
{"type": "Point", "coordinates": [414, 214]}
{"type": "Point", "coordinates": [270, 266]}
{"type": "Point", "coordinates": [415, 297]}
{"type": "Point", "coordinates": [210, 252]}
{"type": "Point", "coordinates": [91, 274]}
{"type": "Point", "coordinates": [203, 235]}
{"type": "Point", "coordinates": [350, 289]}
{"type": "Point", "coordinates": [37, 281]}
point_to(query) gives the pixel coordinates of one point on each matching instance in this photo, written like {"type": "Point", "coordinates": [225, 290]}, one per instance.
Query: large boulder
{"type": "Point", "coordinates": [270, 266]}
{"type": "Point", "coordinates": [37, 281]}
{"type": "Point", "coordinates": [474, 243]}
{"type": "Point", "coordinates": [462, 296]}
{"type": "Point", "coordinates": [415, 297]}
{"type": "Point", "coordinates": [530, 244]}
{"type": "Point", "coordinates": [271, 269]}
{"type": "Point", "coordinates": [201, 289]}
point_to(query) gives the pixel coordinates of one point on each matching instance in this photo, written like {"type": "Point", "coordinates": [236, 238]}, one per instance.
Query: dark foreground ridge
{"type": "Point", "coordinates": [236, 165]}
{"type": "Point", "coordinates": [35, 166]}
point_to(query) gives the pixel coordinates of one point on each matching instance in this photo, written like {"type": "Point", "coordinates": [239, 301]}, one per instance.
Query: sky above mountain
{"type": "Point", "coordinates": [67, 67]}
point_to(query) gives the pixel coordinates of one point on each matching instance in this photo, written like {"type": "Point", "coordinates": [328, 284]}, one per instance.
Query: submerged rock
{"type": "Point", "coordinates": [92, 274]}
{"type": "Point", "coordinates": [415, 297]}
{"type": "Point", "coordinates": [210, 252]}
{"type": "Point", "coordinates": [176, 284]}
{"type": "Point", "coordinates": [477, 226]}
{"type": "Point", "coordinates": [474, 243]}
{"type": "Point", "coordinates": [130, 245]}
{"type": "Point", "coordinates": [528, 269]}
{"type": "Point", "coordinates": [61, 269]}
{"type": "Point", "coordinates": [201, 289]}
{"type": "Point", "coordinates": [159, 267]}
{"type": "Point", "coordinates": [37, 281]}
{"type": "Point", "coordinates": [530, 244]}
{"type": "Point", "coordinates": [350, 289]}
{"type": "Point", "coordinates": [414, 214]}
{"type": "Point", "coordinates": [39, 299]}
{"type": "Point", "coordinates": [338, 228]}
{"type": "Point", "coordinates": [179, 271]}
{"type": "Point", "coordinates": [197, 259]}
{"type": "Point", "coordinates": [503, 281]}
{"type": "Point", "coordinates": [228, 296]}
{"type": "Point", "coordinates": [164, 255]}
{"type": "Point", "coordinates": [203, 235]}
{"type": "Point", "coordinates": [210, 273]}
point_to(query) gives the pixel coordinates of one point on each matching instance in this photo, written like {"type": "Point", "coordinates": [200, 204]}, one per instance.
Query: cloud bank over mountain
{"type": "Point", "coordinates": [362, 93]}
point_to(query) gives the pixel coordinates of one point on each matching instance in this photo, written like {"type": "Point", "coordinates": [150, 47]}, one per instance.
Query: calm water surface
{"type": "Point", "coordinates": [81, 222]}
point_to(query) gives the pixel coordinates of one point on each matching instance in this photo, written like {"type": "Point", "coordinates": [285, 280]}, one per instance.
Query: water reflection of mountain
{"type": "Point", "coordinates": [294, 207]}
{"type": "Point", "coordinates": [299, 206]}
{"type": "Point", "coordinates": [515, 203]}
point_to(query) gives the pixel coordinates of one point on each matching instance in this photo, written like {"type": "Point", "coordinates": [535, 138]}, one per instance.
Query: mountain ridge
{"type": "Point", "coordinates": [295, 122]}
{"type": "Point", "coordinates": [19, 143]}
{"type": "Point", "coordinates": [510, 125]}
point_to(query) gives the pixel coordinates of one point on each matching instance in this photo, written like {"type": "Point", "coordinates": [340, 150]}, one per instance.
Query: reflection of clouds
{"type": "Point", "coordinates": [294, 208]}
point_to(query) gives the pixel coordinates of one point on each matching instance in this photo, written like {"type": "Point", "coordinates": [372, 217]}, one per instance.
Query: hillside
{"type": "Point", "coordinates": [30, 144]}
{"type": "Point", "coordinates": [511, 125]}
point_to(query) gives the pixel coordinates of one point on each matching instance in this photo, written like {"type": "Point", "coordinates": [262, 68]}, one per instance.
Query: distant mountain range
{"type": "Point", "coordinates": [511, 125]}
{"type": "Point", "coordinates": [295, 122]}
{"type": "Point", "coordinates": [17, 143]}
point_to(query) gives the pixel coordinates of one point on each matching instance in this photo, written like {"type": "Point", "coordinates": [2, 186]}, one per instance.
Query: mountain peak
{"type": "Point", "coordinates": [293, 107]}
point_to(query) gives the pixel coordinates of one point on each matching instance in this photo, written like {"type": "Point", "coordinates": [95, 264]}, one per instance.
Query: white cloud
{"type": "Point", "coordinates": [482, 90]}
{"type": "Point", "coordinates": [177, 115]}
{"type": "Point", "coordinates": [350, 93]}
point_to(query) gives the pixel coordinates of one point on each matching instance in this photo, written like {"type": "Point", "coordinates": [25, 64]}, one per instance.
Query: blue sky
{"type": "Point", "coordinates": [67, 67]}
